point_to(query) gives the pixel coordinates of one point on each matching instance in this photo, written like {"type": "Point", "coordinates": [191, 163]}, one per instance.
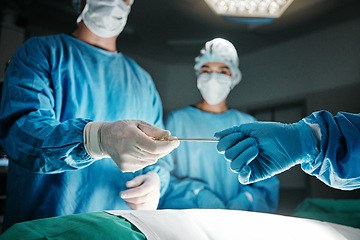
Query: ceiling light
{"type": "Point", "coordinates": [249, 8]}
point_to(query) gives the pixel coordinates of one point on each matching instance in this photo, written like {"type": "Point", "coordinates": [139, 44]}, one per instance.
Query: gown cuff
{"type": "Point", "coordinates": [91, 140]}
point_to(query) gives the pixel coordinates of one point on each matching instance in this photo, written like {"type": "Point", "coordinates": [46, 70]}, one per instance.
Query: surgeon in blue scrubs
{"type": "Point", "coordinates": [199, 176]}
{"type": "Point", "coordinates": [78, 122]}
{"type": "Point", "coordinates": [325, 146]}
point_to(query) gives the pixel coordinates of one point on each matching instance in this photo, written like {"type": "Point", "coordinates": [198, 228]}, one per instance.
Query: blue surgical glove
{"type": "Point", "coordinates": [241, 202]}
{"type": "Point", "coordinates": [209, 200]}
{"type": "Point", "coordinates": [260, 150]}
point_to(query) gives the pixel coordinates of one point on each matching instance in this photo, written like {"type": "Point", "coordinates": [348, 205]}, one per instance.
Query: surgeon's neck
{"type": "Point", "coordinates": [84, 34]}
{"type": "Point", "coordinates": [221, 107]}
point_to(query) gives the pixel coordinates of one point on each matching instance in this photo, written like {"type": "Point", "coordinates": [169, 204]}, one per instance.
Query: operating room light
{"type": "Point", "coordinates": [249, 8]}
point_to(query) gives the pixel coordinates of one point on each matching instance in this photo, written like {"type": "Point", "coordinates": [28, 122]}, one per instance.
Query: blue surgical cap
{"type": "Point", "coordinates": [220, 50]}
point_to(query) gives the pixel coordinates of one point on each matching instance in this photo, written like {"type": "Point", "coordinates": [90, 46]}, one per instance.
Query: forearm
{"type": "Point", "coordinates": [47, 146]}
{"type": "Point", "coordinates": [338, 163]}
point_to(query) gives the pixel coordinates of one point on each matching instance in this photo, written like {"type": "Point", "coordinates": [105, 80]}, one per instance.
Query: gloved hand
{"type": "Point", "coordinates": [130, 143]}
{"type": "Point", "coordinates": [143, 192]}
{"type": "Point", "coordinates": [209, 200]}
{"type": "Point", "coordinates": [241, 202]}
{"type": "Point", "coordinates": [260, 150]}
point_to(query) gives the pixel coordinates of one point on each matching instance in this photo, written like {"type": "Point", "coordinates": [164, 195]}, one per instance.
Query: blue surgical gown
{"type": "Point", "coordinates": [53, 86]}
{"type": "Point", "coordinates": [196, 165]}
{"type": "Point", "coordinates": [338, 163]}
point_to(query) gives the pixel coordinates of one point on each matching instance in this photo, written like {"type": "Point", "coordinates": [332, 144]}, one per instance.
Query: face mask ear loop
{"type": "Point", "coordinates": [80, 18]}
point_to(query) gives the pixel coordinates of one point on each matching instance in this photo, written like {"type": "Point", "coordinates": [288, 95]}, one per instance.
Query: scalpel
{"type": "Point", "coordinates": [199, 139]}
{"type": "Point", "coordinates": [193, 139]}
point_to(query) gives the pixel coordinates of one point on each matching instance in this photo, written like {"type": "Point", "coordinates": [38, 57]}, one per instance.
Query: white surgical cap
{"type": "Point", "coordinates": [77, 5]}
{"type": "Point", "coordinates": [220, 50]}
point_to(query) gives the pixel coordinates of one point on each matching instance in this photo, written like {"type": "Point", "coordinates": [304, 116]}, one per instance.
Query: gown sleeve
{"type": "Point", "coordinates": [31, 133]}
{"type": "Point", "coordinates": [338, 163]}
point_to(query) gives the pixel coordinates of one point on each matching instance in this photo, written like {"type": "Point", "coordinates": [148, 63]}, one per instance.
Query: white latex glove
{"type": "Point", "coordinates": [130, 143]}
{"type": "Point", "coordinates": [143, 192]}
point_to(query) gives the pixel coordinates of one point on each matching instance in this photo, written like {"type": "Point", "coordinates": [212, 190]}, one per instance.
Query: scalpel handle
{"type": "Point", "coordinates": [192, 139]}
{"type": "Point", "coordinates": [199, 139]}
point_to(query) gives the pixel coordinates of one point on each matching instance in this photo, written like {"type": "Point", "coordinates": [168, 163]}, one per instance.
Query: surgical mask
{"type": "Point", "coordinates": [105, 18]}
{"type": "Point", "coordinates": [214, 87]}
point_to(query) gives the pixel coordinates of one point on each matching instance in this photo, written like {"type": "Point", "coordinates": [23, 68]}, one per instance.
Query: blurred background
{"type": "Point", "coordinates": [306, 60]}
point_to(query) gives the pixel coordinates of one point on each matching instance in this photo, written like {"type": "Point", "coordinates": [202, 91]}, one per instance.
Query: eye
{"type": "Point", "coordinates": [225, 72]}
{"type": "Point", "coordinates": [204, 71]}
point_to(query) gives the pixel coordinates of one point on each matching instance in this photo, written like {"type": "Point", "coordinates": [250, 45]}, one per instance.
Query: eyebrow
{"type": "Point", "coordinates": [223, 67]}
{"type": "Point", "coordinates": [205, 66]}
{"type": "Point", "coordinates": [226, 67]}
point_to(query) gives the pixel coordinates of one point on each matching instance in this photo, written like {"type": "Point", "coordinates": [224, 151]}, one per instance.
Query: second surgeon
{"type": "Point", "coordinates": [200, 178]}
